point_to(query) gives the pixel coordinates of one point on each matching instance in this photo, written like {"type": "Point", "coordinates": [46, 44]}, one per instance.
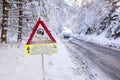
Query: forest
{"type": "Point", "coordinates": [88, 17]}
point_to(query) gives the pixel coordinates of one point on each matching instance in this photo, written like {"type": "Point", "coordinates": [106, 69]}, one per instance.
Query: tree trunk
{"type": "Point", "coordinates": [4, 21]}
{"type": "Point", "coordinates": [20, 21]}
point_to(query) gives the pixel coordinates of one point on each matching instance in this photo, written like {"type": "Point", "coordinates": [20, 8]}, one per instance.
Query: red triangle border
{"type": "Point", "coordinates": [35, 29]}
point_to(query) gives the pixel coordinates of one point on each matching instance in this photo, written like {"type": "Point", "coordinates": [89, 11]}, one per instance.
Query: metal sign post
{"type": "Point", "coordinates": [43, 69]}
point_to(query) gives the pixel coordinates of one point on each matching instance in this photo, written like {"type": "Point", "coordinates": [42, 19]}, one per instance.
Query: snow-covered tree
{"type": "Point", "coordinates": [4, 21]}
{"type": "Point", "coordinates": [20, 6]}
{"type": "Point", "coordinates": [110, 22]}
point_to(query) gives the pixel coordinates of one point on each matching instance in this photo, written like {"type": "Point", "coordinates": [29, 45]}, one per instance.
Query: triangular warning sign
{"type": "Point", "coordinates": [40, 34]}
{"type": "Point", "coordinates": [41, 40]}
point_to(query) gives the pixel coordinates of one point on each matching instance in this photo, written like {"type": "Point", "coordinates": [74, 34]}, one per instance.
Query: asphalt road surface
{"type": "Point", "coordinates": [106, 59]}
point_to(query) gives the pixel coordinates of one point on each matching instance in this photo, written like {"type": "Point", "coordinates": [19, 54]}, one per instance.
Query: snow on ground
{"type": "Point", "coordinates": [100, 40]}
{"type": "Point", "coordinates": [62, 66]}
{"type": "Point", "coordinates": [15, 65]}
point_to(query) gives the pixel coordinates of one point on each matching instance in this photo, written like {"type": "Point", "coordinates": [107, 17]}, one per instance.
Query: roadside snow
{"type": "Point", "coordinates": [100, 40]}
{"type": "Point", "coordinates": [15, 65]}
{"type": "Point", "coordinates": [62, 68]}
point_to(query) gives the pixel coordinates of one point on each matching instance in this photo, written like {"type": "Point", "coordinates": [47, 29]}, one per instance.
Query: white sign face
{"type": "Point", "coordinates": [40, 35]}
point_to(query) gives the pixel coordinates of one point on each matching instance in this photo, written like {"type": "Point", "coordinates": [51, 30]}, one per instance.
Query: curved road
{"type": "Point", "coordinates": [107, 59]}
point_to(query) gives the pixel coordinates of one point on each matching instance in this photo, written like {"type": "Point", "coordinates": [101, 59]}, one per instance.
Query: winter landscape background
{"type": "Point", "coordinates": [95, 21]}
{"type": "Point", "coordinates": [79, 58]}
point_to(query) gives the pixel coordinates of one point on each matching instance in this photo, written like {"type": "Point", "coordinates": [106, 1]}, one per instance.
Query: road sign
{"type": "Point", "coordinates": [41, 40]}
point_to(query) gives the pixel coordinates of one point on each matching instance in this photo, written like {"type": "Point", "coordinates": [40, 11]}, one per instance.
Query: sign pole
{"type": "Point", "coordinates": [43, 70]}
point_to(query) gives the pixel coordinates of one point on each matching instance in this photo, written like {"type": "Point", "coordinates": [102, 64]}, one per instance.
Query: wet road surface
{"type": "Point", "coordinates": [107, 59]}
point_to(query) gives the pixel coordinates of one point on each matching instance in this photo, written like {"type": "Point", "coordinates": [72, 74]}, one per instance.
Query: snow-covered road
{"type": "Point", "coordinates": [107, 60]}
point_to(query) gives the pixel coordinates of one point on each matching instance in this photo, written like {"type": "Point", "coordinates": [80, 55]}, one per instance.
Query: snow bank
{"type": "Point", "coordinates": [100, 40]}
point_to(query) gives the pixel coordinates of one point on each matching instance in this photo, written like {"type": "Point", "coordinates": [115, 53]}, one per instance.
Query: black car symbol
{"type": "Point", "coordinates": [40, 31]}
